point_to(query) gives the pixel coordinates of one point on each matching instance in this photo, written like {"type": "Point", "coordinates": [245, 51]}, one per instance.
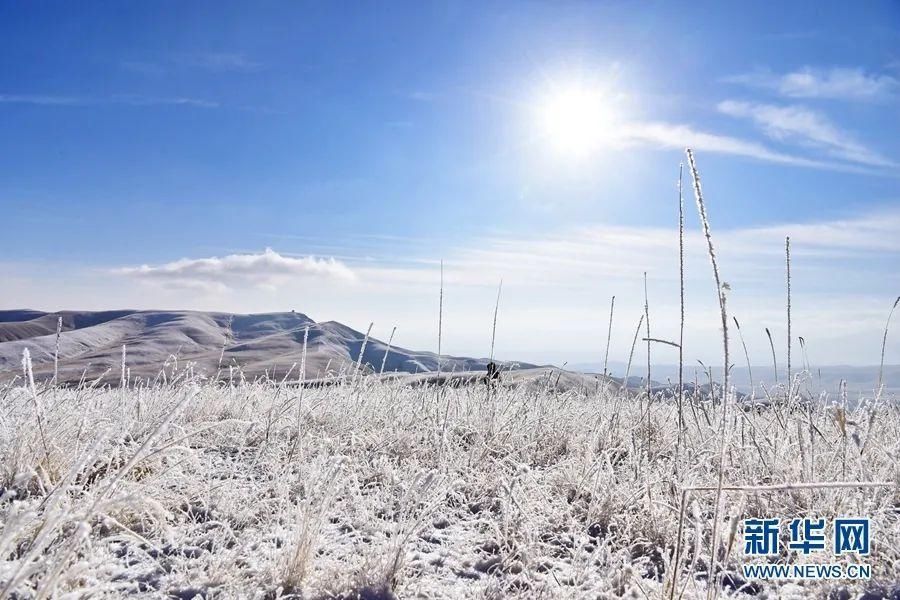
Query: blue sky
{"type": "Point", "coordinates": [153, 151]}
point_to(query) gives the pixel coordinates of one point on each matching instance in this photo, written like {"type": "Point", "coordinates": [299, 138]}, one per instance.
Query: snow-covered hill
{"type": "Point", "coordinates": [260, 344]}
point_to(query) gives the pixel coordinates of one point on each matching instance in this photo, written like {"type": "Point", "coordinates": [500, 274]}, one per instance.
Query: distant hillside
{"type": "Point", "coordinates": [91, 343]}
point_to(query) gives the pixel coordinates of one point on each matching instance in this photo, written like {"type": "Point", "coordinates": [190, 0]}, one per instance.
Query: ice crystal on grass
{"type": "Point", "coordinates": [210, 490]}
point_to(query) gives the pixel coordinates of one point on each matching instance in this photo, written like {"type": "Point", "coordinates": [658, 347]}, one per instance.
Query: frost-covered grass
{"type": "Point", "coordinates": [257, 490]}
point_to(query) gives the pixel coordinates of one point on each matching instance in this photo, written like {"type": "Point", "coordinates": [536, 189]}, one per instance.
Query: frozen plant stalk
{"type": "Point", "coordinates": [720, 292]}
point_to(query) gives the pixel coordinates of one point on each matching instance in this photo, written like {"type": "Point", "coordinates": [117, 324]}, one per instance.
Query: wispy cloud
{"type": "Point", "coordinates": [124, 99]}
{"type": "Point", "coordinates": [220, 62]}
{"type": "Point", "coordinates": [668, 135]}
{"type": "Point", "coordinates": [43, 100]}
{"type": "Point", "coordinates": [871, 233]}
{"type": "Point", "coordinates": [839, 83]}
{"type": "Point", "coordinates": [143, 67]}
{"type": "Point", "coordinates": [843, 282]}
{"type": "Point", "coordinates": [139, 100]}
{"type": "Point", "coordinates": [217, 61]}
{"type": "Point", "coordinates": [578, 257]}
{"type": "Point", "coordinates": [265, 269]}
{"type": "Point", "coordinates": [623, 251]}
{"type": "Point", "coordinates": [843, 269]}
{"type": "Point", "coordinates": [421, 95]}
{"type": "Point", "coordinates": [794, 35]}
{"type": "Point", "coordinates": [806, 127]}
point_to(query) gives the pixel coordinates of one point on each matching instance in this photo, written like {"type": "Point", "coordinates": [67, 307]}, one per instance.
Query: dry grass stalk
{"type": "Point", "coordinates": [787, 257]}
{"type": "Point", "coordinates": [362, 349]}
{"type": "Point", "coordinates": [122, 378]}
{"type": "Point", "coordinates": [887, 325]}
{"type": "Point", "coordinates": [494, 326]}
{"type": "Point", "coordinates": [440, 321]}
{"type": "Point", "coordinates": [612, 307]}
{"type": "Point", "coordinates": [56, 352]}
{"type": "Point", "coordinates": [387, 350]}
{"type": "Point", "coordinates": [647, 325]}
{"type": "Point", "coordinates": [746, 353]}
{"type": "Point", "coordinates": [681, 302]}
{"type": "Point", "coordinates": [720, 292]}
{"type": "Point", "coordinates": [637, 333]}
{"type": "Point", "coordinates": [301, 383]}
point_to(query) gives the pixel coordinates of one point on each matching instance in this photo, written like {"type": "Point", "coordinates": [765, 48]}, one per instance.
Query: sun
{"type": "Point", "coordinates": [576, 120]}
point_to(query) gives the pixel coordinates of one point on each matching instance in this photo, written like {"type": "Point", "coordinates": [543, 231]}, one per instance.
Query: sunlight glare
{"type": "Point", "coordinates": [576, 120]}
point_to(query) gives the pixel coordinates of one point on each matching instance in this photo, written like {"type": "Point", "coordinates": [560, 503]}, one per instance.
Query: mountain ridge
{"type": "Point", "coordinates": [260, 344]}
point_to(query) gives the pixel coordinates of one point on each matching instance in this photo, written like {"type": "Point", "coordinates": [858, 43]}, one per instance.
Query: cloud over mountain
{"type": "Point", "coordinates": [265, 269]}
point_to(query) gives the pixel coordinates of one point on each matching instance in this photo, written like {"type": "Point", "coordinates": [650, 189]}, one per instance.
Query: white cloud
{"type": "Point", "coordinates": [808, 127]}
{"type": "Point", "coordinates": [126, 99]}
{"type": "Point", "coordinates": [667, 135]}
{"type": "Point", "coordinates": [42, 100]}
{"type": "Point", "coordinates": [218, 61]}
{"type": "Point", "coordinates": [556, 289]}
{"type": "Point", "coordinates": [266, 269]}
{"type": "Point", "coordinates": [576, 255]}
{"type": "Point", "coordinates": [873, 234]}
{"type": "Point", "coordinates": [140, 100]}
{"type": "Point", "coordinates": [210, 61]}
{"type": "Point", "coordinates": [557, 286]}
{"type": "Point", "coordinates": [838, 83]}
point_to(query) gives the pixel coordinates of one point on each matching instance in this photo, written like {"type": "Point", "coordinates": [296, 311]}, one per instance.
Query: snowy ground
{"type": "Point", "coordinates": [381, 490]}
